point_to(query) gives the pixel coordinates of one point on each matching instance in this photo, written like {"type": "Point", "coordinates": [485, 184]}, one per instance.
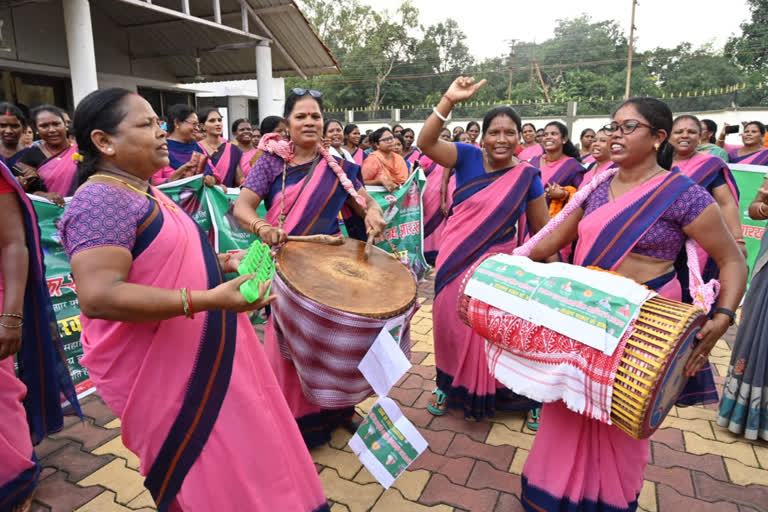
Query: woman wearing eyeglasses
{"type": "Point", "coordinates": [493, 189]}
{"type": "Point", "coordinates": [315, 187]}
{"type": "Point", "coordinates": [384, 167]}
{"type": "Point", "coordinates": [577, 463]}
{"type": "Point", "coordinates": [186, 157]}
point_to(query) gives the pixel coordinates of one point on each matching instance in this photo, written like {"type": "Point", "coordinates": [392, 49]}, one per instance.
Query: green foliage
{"type": "Point", "coordinates": [388, 59]}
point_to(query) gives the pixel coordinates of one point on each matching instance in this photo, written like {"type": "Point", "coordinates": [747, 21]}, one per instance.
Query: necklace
{"type": "Point", "coordinates": [53, 151]}
{"type": "Point", "coordinates": [138, 191]}
{"type": "Point", "coordinates": [610, 187]}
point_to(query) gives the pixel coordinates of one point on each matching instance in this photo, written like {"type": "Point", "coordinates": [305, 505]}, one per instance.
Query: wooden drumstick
{"type": "Point", "coordinates": [368, 244]}
{"type": "Point", "coordinates": [318, 239]}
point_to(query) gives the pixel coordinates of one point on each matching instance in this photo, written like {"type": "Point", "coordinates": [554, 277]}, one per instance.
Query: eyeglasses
{"type": "Point", "coordinates": [626, 127]}
{"type": "Point", "coordinates": [386, 139]}
{"type": "Point", "coordinates": [299, 91]}
{"type": "Point", "coordinates": [194, 124]}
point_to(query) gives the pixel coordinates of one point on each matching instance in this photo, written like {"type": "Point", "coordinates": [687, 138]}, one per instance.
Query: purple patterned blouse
{"type": "Point", "coordinates": [665, 238]}
{"type": "Point", "coordinates": [102, 215]}
{"type": "Point", "coordinates": [268, 168]}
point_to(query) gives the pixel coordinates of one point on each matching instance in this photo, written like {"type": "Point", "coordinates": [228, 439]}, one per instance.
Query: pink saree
{"type": "Point", "coordinates": [245, 161]}
{"type": "Point", "coordinates": [434, 221]}
{"type": "Point", "coordinates": [198, 402]}
{"type": "Point", "coordinates": [595, 170]}
{"type": "Point", "coordinates": [485, 213]}
{"type": "Point", "coordinates": [224, 162]}
{"type": "Point", "coordinates": [578, 463]}
{"type": "Point", "coordinates": [310, 209]}
{"type": "Point", "coordinates": [59, 173]}
{"type": "Point", "coordinates": [530, 152]}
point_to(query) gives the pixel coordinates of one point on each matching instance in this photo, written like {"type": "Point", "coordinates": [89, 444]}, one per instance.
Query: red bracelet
{"type": "Point", "coordinates": [189, 301]}
{"type": "Point", "coordinates": [449, 100]}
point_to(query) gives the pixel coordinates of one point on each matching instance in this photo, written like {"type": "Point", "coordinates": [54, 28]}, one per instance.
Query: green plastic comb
{"type": "Point", "coordinates": [258, 260]}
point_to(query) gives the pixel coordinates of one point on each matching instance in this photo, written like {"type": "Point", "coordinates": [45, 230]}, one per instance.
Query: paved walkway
{"type": "Point", "coordinates": [696, 466]}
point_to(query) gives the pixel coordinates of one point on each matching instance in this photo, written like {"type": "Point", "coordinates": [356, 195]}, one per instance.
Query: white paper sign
{"type": "Point", "coordinates": [385, 363]}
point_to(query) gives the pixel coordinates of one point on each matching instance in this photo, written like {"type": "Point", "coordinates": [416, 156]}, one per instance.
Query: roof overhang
{"type": "Point", "coordinates": [214, 40]}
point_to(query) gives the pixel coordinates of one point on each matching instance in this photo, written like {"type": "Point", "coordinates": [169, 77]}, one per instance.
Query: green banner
{"type": "Point", "coordinates": [189, 194]}
{"type": "Point", "coordinates": [403, 213]}
{"type": "Point", "coordinates": [749, 178]}
{"type": "Point", "coordinates": [63, 292]}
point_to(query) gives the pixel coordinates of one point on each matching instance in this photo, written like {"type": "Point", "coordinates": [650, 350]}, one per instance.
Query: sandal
{"type": "Point", "coordinates": [534, 415]}
{"type": "Point", "coordinates": [438, 407]}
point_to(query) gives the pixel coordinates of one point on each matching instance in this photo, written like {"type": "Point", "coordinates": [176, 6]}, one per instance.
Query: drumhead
{"type": "Point", "coordinates": [337, 276]}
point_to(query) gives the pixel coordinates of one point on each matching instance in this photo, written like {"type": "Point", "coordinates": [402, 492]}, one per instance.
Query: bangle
{"type": "Point", "coordinates": [727, 312]}
{"type": "Point", "coordinates": [441, 116]}
{"type": "Point", "coordinates": [185, 302]}
{"type": "Point", "coordinates": [449, 100]}
{"type": "Point", "coordinates": [189, 302]}
{"type": "Point", "coordinates": [265, 225]}
{"type": "Point", "coordinates": [8, 326]}
{"type": "Point", "coordinates": [12, 315]}
{"type": "Point", "coordinates": [254, 223]}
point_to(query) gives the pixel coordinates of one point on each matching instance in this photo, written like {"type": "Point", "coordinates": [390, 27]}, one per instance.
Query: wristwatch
{"type": "Point", "coordinates": [727, 312]}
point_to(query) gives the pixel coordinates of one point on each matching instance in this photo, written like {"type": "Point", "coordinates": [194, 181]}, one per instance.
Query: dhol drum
{"type": "Point", "coordinates": [331, 305]}
{"type": "Point", "coordinates": [642, 378]}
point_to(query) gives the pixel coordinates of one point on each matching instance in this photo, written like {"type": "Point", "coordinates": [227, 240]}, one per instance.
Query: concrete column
{"type": "Point", "coordinates": [82, 57]}
{"type": "Point", "coordinates": [570, 117]}
{"type": "Point", "coordinates": [267, 104]}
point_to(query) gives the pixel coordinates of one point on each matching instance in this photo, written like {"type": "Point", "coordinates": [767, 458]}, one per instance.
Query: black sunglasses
{"type": "Point", "coordinates": [300, 91]}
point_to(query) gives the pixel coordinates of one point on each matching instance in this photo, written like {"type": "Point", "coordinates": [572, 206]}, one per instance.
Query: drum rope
{"type": "Point", "coordinates": [704, 294]}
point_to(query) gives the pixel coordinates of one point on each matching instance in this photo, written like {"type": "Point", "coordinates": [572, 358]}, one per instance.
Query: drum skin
{"type": "Point", "coordinates": [339, 277]}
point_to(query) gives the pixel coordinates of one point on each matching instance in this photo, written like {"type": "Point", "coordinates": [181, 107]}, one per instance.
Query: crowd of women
{"type": "Point", "coordinates": [158, 313]}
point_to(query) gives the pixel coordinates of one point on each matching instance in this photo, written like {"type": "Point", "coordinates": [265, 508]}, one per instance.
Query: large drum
{"type": "Point", "coordinates": [637, 383]}
{"type": "Point", "coordinates": [331, 305]}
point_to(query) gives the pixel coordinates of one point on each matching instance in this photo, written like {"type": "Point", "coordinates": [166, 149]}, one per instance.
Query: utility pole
{"type": "Point", "coordinates": [541, 80]}
{"type": "Point", "coordinates": [532, 58]}
{"type": "Point", "coordinates": [631, 49]}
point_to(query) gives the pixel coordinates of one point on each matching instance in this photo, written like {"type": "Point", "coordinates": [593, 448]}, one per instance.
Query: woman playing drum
{"type": "Point", "coordinates": [315, 189]}
{"type": "Point", "coordinates": [493, 189]}
{"type": "Point", "coordinates": [162, 336]}
{"type": "Point", "coordinates": [635, 223]}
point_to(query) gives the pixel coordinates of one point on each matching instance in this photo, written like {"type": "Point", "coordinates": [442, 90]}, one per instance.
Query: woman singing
{"type": "Point", "coordinates": [164, 336]}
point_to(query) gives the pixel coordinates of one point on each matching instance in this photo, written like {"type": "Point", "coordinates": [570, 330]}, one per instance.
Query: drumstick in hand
{"type": "Point", "coordinates": [318, 239]}
{"type": "Point", "coordinates": [367, 250]}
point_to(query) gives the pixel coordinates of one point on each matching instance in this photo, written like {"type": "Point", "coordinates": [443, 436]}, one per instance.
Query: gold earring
{"type": "Point", "coordinates": [656, 147]}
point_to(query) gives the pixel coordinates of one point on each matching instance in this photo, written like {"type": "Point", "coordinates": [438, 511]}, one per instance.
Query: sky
{"type": "Point", "coordinates": [665, 23]}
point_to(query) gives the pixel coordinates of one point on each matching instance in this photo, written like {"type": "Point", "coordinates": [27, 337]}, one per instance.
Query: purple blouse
{"type": "Point", "coordinates": [665, 238]}
{"type": "Point", "coordinates": [268, 168]}
{"type": "Point", "coordinates": [102, 215]}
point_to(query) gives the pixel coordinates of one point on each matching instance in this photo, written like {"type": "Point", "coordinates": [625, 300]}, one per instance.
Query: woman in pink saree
{"type": "Point", "coordinates": [435, 201]}
{"type": "Point", "coordinates": [223, 156]}
{"type": "Point", "coordinates": [634, 221]}
{"type": "Point", "coordinates": [164, 336]}
{"type": "Point", "coordinates": [752, 152]}
{"type": "Point", "coordinates": [531, 147]}
{"type": "Point", "coordinates": [246, 143]}
{"type": "Point", "coordinates": [601, 158]}
{"type": "Point", "coordinates": [53, 159]}
{"type": "Point", "coordinates": [301, 181]}
{"type": "Point", "coordinates": [30, 405]}
{"type": "Point", "coordinates": [493, 189]}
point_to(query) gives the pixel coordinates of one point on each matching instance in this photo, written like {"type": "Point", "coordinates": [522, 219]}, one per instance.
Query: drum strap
{"type": "Point", "coordinates": [283, 213]}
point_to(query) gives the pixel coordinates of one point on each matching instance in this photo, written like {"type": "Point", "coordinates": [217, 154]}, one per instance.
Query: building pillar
{"type": "Point", "coordinates": [570, 118]}
{"type": "Point", "coordinates": [267, 104]}
{"type": "Point", "coordinates": [82, 57]}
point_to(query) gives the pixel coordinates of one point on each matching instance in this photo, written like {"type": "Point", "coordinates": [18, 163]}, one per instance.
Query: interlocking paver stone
{"type": "Point", "coordinates": [485, 476]}
{"type": "Point", "coordinates": [60, 495]}
{"type": "Point", "coordinates": [469, 465]}
{"type": "Point", "coordinates": [666, 457]}
{"type": "Point", "coordinates": [75, 462]}
{"type": "Point", "coordinates": [441, 490]}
